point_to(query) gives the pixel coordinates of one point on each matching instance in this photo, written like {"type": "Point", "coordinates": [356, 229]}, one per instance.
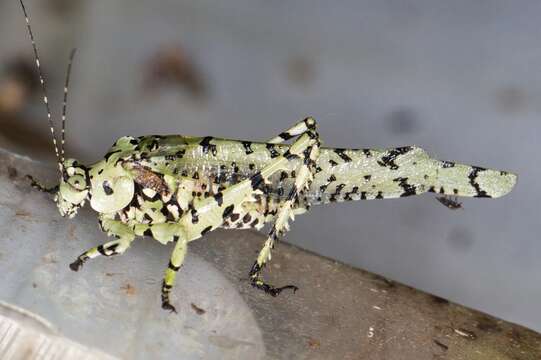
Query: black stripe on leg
{"type": "Point", "coordinates": [173, 267]}
{"type": "Point", "coordinates": [101, 250]}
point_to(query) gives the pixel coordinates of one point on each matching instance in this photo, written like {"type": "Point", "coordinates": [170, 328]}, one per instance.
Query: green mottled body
{"type": "Point", "coordinates": [178, 188]}
{"type": "Point", "coordinates": [341, 175]}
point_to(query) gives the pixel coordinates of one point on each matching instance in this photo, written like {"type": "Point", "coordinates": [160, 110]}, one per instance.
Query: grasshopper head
{"type": "Point", "coordinates": [73, 189]}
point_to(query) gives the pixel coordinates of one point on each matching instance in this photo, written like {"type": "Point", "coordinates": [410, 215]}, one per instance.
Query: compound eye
{"type": "Point", "coordinates": [77, 182]}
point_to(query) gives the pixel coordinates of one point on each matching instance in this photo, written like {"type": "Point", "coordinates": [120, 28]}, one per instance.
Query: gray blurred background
{"type": "Point", "coordinates": [461, 79]}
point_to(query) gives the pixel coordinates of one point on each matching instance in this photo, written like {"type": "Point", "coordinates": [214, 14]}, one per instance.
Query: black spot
{"type": "Point", "coordinates": [447, 164]}
{"type": "Point", "coordinates": [367, 152]}
{"type": "Point", "coordinates": [322, 188]}
{"type": "Point", "coordinates": [286, 136]}
{"type": "Point", "coordinates": [154, 144]}
{"type": "Point", "coordinates": [219, 197]}
{"type": "Point", "coordinates": [101, 250]}
{"type": "Point", "coordinates": [107, 188]}
{"type": "Point", "coordinates": [388, 160]}
{"type": "Point", "coordinates": [148, 232]}
{"type": "Point", "coordinates": [337, 191]}
{"type": "Point", "coordinates": [246, 218]}
{"type": "Point", "coordinates": [333, 163]}
{"type": "Point", "coordinates": [363, 195]}
{"type": "Point", "coordinates": [355, 189]}
{"type": "Point", "coordinates": [195, 218]}
{"type": "Point", "coordinates": [206, 230]}
{"type": "Point", "coordinates": [228, 211]}
{"type": "Point", "coordinates": [254, 223]}
{"type": "Point", "coordinates": [206, 145]}
{"type": "Point", "coordinates": [108, 155]}
{"type": "Point", "coordinates": [408, 189]}
{"type": "Point", "coordinates": [342, 154]}
{"type": "Point", "coordinates": [331, 178]}
{"type": "Point", "coordinates": [234, 217]}
{"type": "Point", "coordinates": [367, 177]}
{"type": "Point", "coordinates": [272, 149]}
{"type": "Point", "coordinates": [289, 156]}
{"type": "Point", "coordinates": [247, 147]}
{"type": "Point", "coordinates": [134, 142]}
{"type": "Point", "coordinates": [257, 180]}
{"type": "Point", "coordinates": [251, 166]}
{"type": "Point", "coordinates": [379, 195]}
{"type": "Point", "coordinates": [283, 175]}
{"type": "Point", "coordinates": [100, 171]}
{"type": "Point", "coordinates": [195, 176]}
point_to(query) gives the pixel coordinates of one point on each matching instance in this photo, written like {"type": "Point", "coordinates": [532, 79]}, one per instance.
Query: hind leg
{"type": "Point", "coordinates": [305, 171]}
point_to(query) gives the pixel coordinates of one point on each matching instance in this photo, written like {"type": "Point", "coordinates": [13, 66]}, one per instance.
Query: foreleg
{"type": "Point", "coordinates": [121, 231]}
{"type": "Point", "coordinates": [37, 185]}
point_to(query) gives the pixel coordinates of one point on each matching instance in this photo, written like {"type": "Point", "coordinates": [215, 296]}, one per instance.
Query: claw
{"type": "Point", "coordinates": [76, 265]}
{"type": "Point", "coordinates": [167, 306]}
{"type": "Point", "coordinates": [271, 290]}
{"type": "Point", "coordinates": [279, 290]}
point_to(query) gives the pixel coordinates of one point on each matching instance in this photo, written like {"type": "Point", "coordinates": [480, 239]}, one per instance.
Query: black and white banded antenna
{"type": "Point", "coordinates": [59, 154]}
{"type": "Point", "coordinates": [64, 105]}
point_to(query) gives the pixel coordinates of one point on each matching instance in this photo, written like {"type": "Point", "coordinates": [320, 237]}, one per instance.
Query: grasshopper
{"type": "Point", "coordinates": [177, 188]}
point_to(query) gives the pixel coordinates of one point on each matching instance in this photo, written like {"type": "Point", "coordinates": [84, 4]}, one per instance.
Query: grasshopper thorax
{"type": "Point", "coordinates": [73, 189]}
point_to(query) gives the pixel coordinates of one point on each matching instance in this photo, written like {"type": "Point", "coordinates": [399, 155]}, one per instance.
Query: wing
{"type": "Point", "coordinates": [384, 174]}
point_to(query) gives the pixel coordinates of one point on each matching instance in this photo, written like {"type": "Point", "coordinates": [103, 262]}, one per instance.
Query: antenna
{"type": "Point", "coordinates": [42, 82]}
{"type": "Point", "coordinates": [64, 106]}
